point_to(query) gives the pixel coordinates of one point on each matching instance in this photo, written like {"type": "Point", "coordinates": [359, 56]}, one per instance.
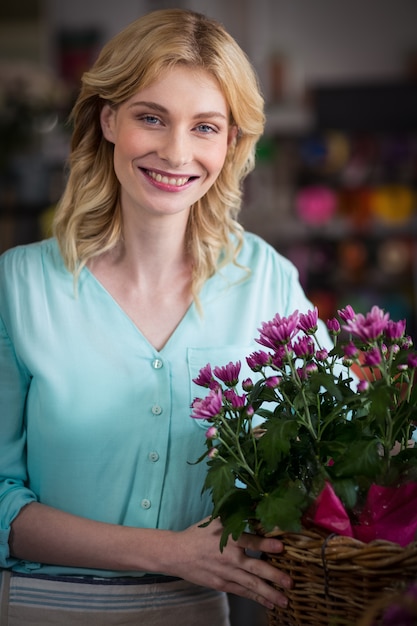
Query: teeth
{"type": "Point", "coordinates": [165, 180]}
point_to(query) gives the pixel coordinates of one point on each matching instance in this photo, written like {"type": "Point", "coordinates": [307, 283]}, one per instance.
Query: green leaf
{"type": "Point", "coordinates": [234, 512]}
{"type": "Point", "coordinates": [276, 441]}
{"type": "Point", "coordinates": [346, 490]}
{"type": "Point", "coordinates": [283, 508]}
{"type": "Point", "coordinates": [260, 394]}
{"type": "Point", "coordinates": [361, 458]}
{"type": "Point", "coordinates": [219, 480]}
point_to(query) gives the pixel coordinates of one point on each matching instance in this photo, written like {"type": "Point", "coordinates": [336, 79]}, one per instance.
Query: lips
{"type": "Point", "coordinates": [173, 181]}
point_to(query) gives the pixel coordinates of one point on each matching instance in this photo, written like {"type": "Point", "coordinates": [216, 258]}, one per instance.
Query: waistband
{"type": "Point", "coordinates": [146, 579]}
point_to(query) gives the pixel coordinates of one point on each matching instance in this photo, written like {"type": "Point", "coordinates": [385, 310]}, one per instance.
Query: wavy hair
{"type": "Point", "coordinates": [88, 220]}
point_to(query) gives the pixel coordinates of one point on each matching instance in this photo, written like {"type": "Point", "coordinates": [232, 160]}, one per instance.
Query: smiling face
{"type": "Point", "coordinates": [170, 141]}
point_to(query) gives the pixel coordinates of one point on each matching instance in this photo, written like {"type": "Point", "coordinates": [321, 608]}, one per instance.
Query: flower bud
{"type": "Point", "coordinates": [247, 384]}
{"type": "Point", "coordinates": [363, 385]}
{"type": "Point", "coordinates": [212, 433]}
{"type": "Point", "coordinates": [212, 453]}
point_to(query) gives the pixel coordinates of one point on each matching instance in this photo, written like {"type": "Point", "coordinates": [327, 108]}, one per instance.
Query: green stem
{"type": "Point", "coordinates": [236, 451]}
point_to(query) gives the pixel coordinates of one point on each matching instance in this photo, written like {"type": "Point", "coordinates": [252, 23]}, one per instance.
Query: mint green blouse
{"type": "Point", "coordinates": [93, 419]}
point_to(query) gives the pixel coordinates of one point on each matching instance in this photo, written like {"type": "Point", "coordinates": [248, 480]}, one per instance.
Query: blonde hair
{"type": "Point", "coordinates": [88, 220]}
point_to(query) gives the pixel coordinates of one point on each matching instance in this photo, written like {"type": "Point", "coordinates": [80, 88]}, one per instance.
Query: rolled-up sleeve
{"type": "Point", "coordinates": [14, 383]}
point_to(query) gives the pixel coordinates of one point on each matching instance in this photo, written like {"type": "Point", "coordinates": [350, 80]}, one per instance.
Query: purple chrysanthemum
{"type": "Point", "coordinates": [395, 330]}
{"type": "Point", "coordinates": [258, 360]}
{"type": "Point", "coordinates": [209, 407]}
{"type": "Point", "coordinates": [369, 327]}
{"type": "Point", "coordinates": [229, 374]}
{"type": "Point", "coordinates": [279, 331]}
{"type": "Point", "coordinates": [350, 351]}
{"type": "Point", "coordinates": [204, 377]}
{"type": "Point", "coordinates": [236, 401]}
{"type": "Point", "coordinates": [412, 360]}
{"type": "Point", "coordinates": [347, 314]}
{"type": "Point", "coordinates": [272, 382]}
{"type": "Point", "coordinates": [363, 385]}
{"type": "Point", "coordinates": [372, 357]}
{"type": "Point", "coordinates": [308, 321]}
{"type": "Point", "coordinates": [304, 347]}
{"type": "Point", "coordinates": [333, 326]}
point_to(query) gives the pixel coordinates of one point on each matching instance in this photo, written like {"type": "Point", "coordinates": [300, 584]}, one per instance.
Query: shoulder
{"type": "Point", "coordinates": [259, 256]}
{"type": "Point", "coordinates": [30, 256]}
{"type": "Point", "coordinates": [273, 280]}
{"type": "Point", "coordinates": [28, 265]}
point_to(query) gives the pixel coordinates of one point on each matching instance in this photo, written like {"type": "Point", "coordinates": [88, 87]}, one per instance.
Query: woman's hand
{"type": "Point", "coordinates": [45, 535]}
{"type": "Point", "coordinates": [198, 559]}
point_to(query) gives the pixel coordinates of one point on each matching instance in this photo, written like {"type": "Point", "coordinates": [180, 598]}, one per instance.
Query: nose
{"type": "Point", "coordinates": [176, 148]}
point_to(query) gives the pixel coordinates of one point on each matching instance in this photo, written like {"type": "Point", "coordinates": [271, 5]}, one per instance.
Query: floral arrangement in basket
{"type": "Point", "coordinates": [304, 442]}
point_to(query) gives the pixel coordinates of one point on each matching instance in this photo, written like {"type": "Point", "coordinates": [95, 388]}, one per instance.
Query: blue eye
{"type": "Point", "coordinates": [205, 128]}
{"type": "Point", "coordinates": [150, 119]}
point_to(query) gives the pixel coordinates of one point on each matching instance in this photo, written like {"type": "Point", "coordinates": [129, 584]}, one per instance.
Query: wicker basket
{"type": "Point", "coordinates": [337, 579]}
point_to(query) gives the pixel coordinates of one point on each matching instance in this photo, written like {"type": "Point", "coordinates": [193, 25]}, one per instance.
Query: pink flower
{"type": "Point", "coordinates": [333, 326]}
{"type": "Point", "coordinates": [363, 385]}
{"type": "Point", "coordinates": [247, 384]}
{"type": "Point", "coordinates": [369, 327]}
{"type": "Point", "coordinates": [302, 373]}
{"type": "Point", "coordinates": [372, 357]}
{"type": "Point", "coordinates": [350, 351]}
{"type": "Point", "coordinates": [304, 347]}
{"type": "Point", "coordinates": [322, 354]}
{"type": "Point", "coordinates": [212, 433]}
{"type": "Point", "coordinates": [258, 360]}
{"type": "Point", "coordinates": [406, 342]}
{"type": "Point", "coordinates": [209, 407]}
{"type": "Point", "coordinates": [394, 348]}
{"type": "Point", "coordinates": [229, 373]}
{"type": "Point", "coordinates": [311, 368]}
{"type": "Point", "coordinates": [279, 331]}
{"type": "Point", "coordinates": [308, 321]}
{"type": "Point", "coordinates": [204, 377]}
{"type": "Point", "coordinates": [212, 453]}
{"type": "Point", "coordinates": [235, 400]}
{"type": "Point", "coordinates": [279, 357]}
{"type": "Point", "coordinates": [272, 382]}
{"type": "Point", "coordinates": [347, 314]}
{"type": "Point", "coordinates": [395, 330]}
{"type": "Point", "coordinates": [412, 361]}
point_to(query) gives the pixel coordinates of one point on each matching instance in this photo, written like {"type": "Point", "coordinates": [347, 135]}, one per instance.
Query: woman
{"type": "Point", "coordinates": [149, 277]}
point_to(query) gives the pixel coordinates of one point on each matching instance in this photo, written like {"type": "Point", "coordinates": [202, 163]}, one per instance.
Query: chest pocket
{"type": "Point", "coordinates": [200, 357]}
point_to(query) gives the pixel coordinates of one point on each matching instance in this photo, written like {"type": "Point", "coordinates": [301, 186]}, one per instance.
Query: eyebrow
{"type": "Point", "coordinates": [161, 109]}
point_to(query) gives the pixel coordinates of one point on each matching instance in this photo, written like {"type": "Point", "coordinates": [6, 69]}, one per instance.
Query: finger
{"type": "Point", "coordinates": [266, 571]}
{"type": "Point", "coordinates": [258, 591]}
{"type": "Point", "coordinates": [253, 554]}
{"type": "Point", "coordinates": [260, 544]}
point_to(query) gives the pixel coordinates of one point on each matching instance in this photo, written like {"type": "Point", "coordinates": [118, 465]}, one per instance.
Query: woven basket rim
{"type": "Point", "coordinates": [337, 576]}
{"type": "Point", "coordinates": [340, 553]}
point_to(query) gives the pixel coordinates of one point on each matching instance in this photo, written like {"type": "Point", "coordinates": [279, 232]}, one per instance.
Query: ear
{"type": "Point", "coordinates": [233, 134]}
{"type": "Point", "coordinates": [107, 121]}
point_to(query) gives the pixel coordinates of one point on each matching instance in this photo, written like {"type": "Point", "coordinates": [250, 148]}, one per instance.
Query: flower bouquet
{"type": "Point", "coordinates": [309, 450]}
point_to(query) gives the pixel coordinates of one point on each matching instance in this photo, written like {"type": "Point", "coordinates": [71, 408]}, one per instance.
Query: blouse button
{"type": "Point", "coordinates": [156, 409]}
{"type": "Point", "coordinates": [157, 364]}
{"type": "Point", "coordinates": [153, 456]}
{"type": "Point", "coordinates": [145, 504]}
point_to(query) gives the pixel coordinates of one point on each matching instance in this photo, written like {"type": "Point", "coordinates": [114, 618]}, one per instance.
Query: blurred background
{"type": "Point", "coordinates": [335, 187]}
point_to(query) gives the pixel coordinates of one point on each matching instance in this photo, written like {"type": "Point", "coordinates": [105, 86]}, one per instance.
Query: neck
{"type": "Point", "coordinates": [151, 253]}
